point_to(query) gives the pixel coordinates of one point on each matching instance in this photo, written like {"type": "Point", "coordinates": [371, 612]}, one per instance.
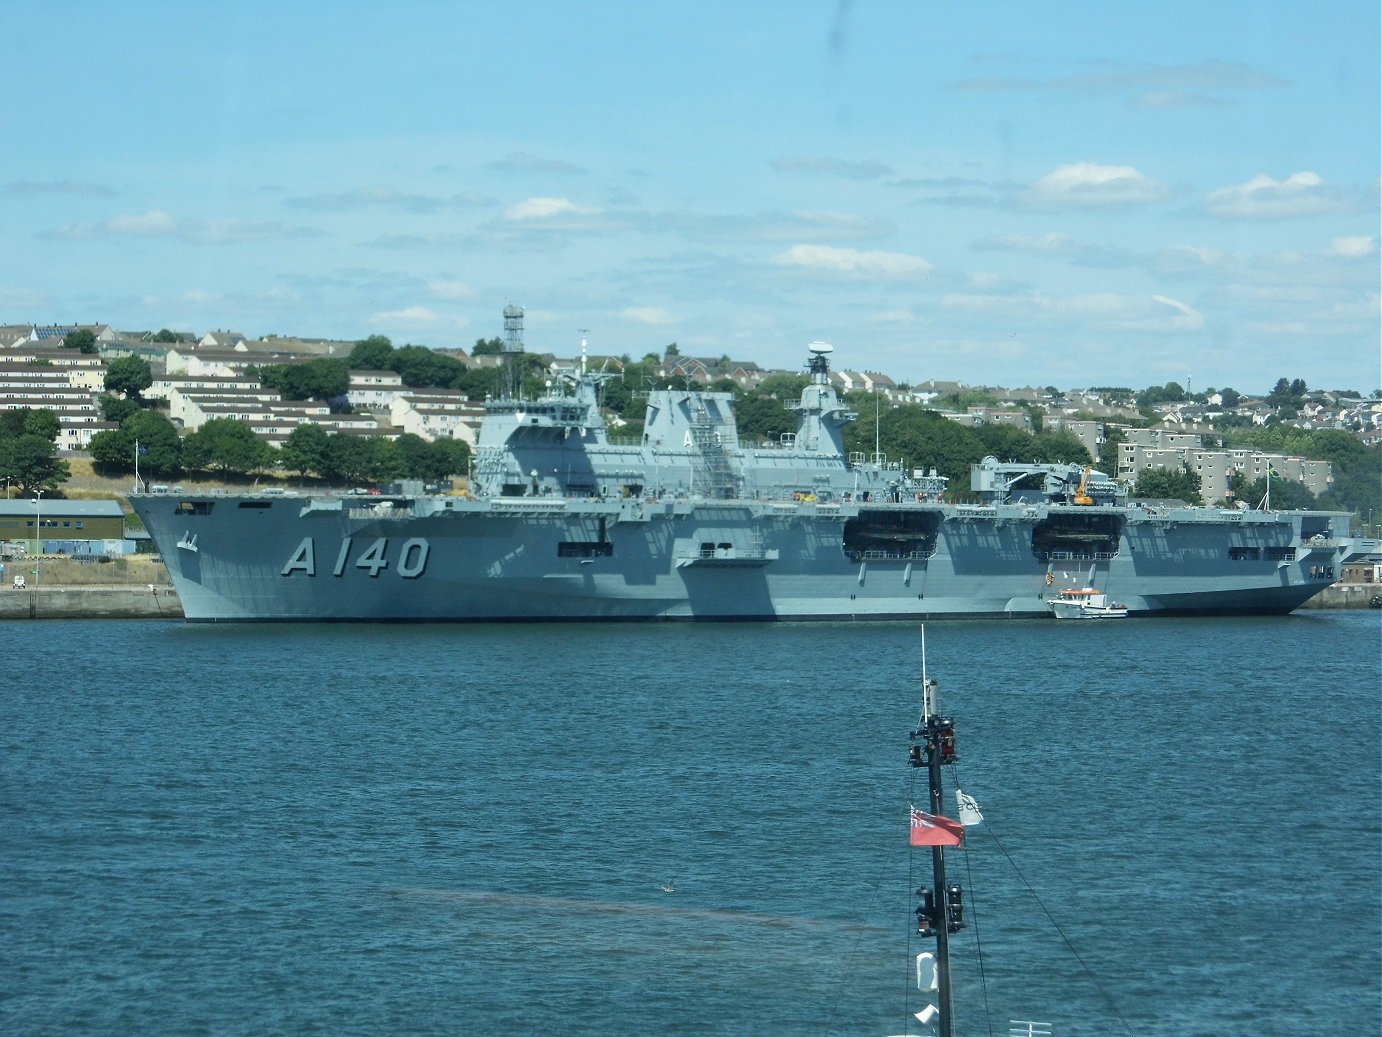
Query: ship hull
{"type": "Point", "coordinates": [334, 559]}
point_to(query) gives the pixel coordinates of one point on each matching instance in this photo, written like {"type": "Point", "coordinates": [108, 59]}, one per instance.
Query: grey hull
{"type": "Point", "coordinates": [255, 558]}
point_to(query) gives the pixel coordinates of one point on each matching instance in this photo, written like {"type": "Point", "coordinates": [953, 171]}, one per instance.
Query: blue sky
{"type": "Point", "coordinates": [1052, 193]}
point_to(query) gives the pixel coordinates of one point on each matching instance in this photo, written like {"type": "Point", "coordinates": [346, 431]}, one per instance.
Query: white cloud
{"type": "Point", "coordinates": [1353, 248]}
{"type": "Point", "coordinates": [1189, 257]}
{"type": "Point", "coordinates": [1300, 194]}
{"type": "Point", "coordinates": [546, 209]}
{"type": "Point", "coordinates": [22, 298]}
{"type": "Point", "coordinates": [374, 196]}
{"type": "Point", "coordinates": [1187, 318]}
{"type": "Point", "coordinates": [772, 226]}
{"type": "Point", "coordinates": [1098, 310]}
{"type": "Point", "coordinates": [1030, 244]}
{"type": "Point", "coordinates": [848, 170]}
{"type": "Point", "coordinates": [152, 224]}
{"type": "Point", "coordinates": [158, 224]}
{"type": "Point", "coordinates": [58, 187]}
{"type": "Point", "coordinates": [654, 316]}
{"type": "Point", "coordinates": [901, 317]}
{"type": "Point", "coordinates": [450, 289]}
{"type": "Point", "coordinates": [1085, 184]}
{"type": "Point", "coordinates": [414, 315]}
{"type": "Point", "coordinates": [828, 259]}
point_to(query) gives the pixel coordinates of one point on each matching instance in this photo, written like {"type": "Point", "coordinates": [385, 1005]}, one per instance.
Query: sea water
{"type": "Point", "coordinates": [685, 829]}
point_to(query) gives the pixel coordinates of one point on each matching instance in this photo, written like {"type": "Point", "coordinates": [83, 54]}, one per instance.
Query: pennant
{"type": "Point", "coordinates": [933, 830]}
{"type": "Point", "coordinates": [967, 809]}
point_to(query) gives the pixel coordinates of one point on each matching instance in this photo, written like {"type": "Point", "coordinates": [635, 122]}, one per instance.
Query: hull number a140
{"type": "Point", "coordinates": [409, 561]}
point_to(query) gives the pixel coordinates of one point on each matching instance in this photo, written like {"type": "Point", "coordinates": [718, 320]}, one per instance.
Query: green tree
{"type": "Point", "coordinates": [380, 459]}
{"type": "Point", "coordinates": [324, 378]}
{"type": "Point", "coordinates": [372, 354]}
{"type": "Point", "coordinates": [457, 456]}
{"type": "Point", "coordinates": [479, 383]}
{"type": "Point", "coordinates": [116, 408]}
{"type": "Point", "coordinates": [1287, 494]}
{"type": "Point", "coordinates": [431, 462]}
{"type": "Point", "coordinates": [1059, 446]}
{"type": "Point", "coordinates": [785, 387]}
{"type": "Point", "coordinates": [921, 438]}
{"type": "Point", "coordinates": [1168, 484]}
{"type": "Point", "coordinates": [964, 399]}
{"type": "Point", "coordinates": [1006, 442]}
{"type": "Point", "coordinates": [423, 368]}
{"type": "Point", "coordinates": [42, 422]}
{"type": "Point", "coordinates": [164, 335]}
{"type": "Point", "coordinates": [160, 452]}
{"type": "Point", "coordinates": [305, 450]}
{"type": "Point", "coordinates": [112, 451]}
{"type": "Point", "coordinates": [129, 376]}
{"type": "Point", "coordinates": [81, 340]}
{"type": "Point", "coordinates": [32, 462]}
{"type": "Point", "coordinates": [228, 446]}
{"type": "Point", "coordinates": [38, 421]}
{"type": "Point", "coordinates": [360, 459]}
{"type": "Point", "coordinates": [487, 347]}
{"type": "Point", "coordinates": [763, 416]}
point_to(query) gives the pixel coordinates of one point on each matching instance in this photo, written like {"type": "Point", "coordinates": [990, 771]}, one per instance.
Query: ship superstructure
{"type": "Point", "coordinates": [565, 523]}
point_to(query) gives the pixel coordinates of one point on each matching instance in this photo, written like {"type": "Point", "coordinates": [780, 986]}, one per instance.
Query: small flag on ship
{"type": "Point", "coordinates": [933, 830]}
{"type": "Point", "coordinates": [967, 809]}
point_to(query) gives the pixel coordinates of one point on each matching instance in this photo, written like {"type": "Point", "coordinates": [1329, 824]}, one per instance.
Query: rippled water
{"type": "Point", "coordinates": [443, 830]}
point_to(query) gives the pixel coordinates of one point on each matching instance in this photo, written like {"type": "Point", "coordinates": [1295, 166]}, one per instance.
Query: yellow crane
{"type": "Point", "coordinates": [1081, 497]}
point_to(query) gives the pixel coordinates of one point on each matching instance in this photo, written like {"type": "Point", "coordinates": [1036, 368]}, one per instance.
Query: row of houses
{"type": "Point", "coordinates": [210, 377]}
{"type": "Point", "coordinates": [1146, 449]}
{"type": "Point", "coordinates": [200, 384]}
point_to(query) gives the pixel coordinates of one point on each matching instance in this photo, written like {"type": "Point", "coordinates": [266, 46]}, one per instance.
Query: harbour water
{"type": "Point", "coordinates": [468, 830]}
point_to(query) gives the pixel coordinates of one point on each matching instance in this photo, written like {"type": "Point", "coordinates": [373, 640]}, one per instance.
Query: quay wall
{"type": "Point", "coordinates": [91, 602]}
{"type": "Point", "coordinates": [1344, 596]}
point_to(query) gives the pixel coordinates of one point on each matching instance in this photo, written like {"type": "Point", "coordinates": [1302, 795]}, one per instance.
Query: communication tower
{"type": "Point", "coordinates": [513, 351]}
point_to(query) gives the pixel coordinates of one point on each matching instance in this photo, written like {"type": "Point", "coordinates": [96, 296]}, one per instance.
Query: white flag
{"type": "Point", "coordinates": [967, 809]}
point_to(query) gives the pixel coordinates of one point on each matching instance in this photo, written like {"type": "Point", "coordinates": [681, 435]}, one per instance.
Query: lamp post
{"type": "Point", "coordinates": [38, 549]}
{"type": "Point", "coordinates": [38, 522]}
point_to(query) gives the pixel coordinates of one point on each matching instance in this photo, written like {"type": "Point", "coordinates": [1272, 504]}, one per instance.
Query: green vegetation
{"type": "Point", "coordinates": [1166, 484]}
{"type": "Point", "coordinates": [82, 340]}
{"type": "Point", "coordinates": [28, 451]}
{"type": "Point", "coordinates": [227, 448]}
{"type": "Point", "coordinates": [324, 378]}
{"type": "Point", "coordinates": [129, 376]}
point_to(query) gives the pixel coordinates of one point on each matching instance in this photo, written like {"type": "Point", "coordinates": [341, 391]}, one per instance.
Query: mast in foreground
{"type": "Point", "coordinates": [940, 908]}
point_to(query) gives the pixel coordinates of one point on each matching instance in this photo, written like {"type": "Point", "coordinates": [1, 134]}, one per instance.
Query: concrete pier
{"type": "Point", "coordinates": [107, 601]}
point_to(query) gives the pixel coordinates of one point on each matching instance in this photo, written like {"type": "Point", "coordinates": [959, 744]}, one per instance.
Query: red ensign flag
{"type": "Point", "coordinates": [933, 830]}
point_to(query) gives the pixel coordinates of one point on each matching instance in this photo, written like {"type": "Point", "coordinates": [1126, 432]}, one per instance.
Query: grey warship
{"type": "Point", "coordinates": [563, 523]}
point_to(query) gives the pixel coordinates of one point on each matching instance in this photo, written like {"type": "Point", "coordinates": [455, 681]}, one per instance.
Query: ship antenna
{"type": "Point", "coordinates": [584, 332]}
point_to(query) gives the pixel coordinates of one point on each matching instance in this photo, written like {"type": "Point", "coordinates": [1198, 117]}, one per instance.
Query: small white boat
{"type": "Point", "coordinates": [1085, 603]}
